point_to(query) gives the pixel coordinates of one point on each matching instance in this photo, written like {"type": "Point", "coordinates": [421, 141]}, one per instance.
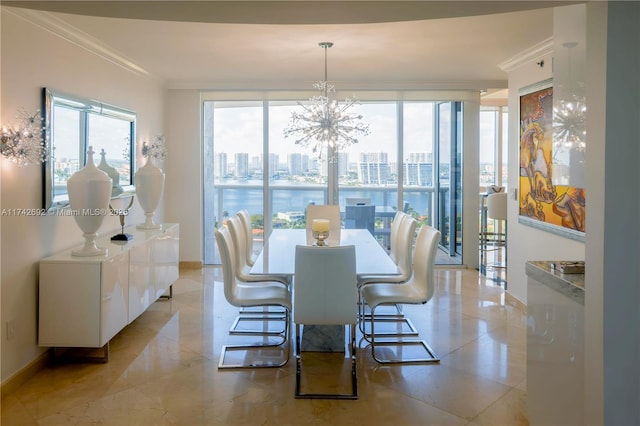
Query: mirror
{"type": "Point", "coordinates": [73, 124]}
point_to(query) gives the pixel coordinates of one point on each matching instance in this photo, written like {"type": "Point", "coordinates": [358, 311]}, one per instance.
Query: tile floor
{"type": "Point", "coordinates": [163, 369]}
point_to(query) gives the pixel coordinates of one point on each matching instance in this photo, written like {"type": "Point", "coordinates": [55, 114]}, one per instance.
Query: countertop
{"type": "Point", "coordinates": [571, 285]}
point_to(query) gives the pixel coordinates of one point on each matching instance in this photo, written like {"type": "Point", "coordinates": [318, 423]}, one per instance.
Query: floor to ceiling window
{"type": "Point", "coordinates": [493, 153]}
{"type": "Point", "coordinates": [249, 164]}
{"type": "Point", "coordinates": [493, 146]}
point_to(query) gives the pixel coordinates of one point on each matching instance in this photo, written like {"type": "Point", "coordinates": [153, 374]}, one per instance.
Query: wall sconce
{"type": "Point", "coordinates": [24, 143]}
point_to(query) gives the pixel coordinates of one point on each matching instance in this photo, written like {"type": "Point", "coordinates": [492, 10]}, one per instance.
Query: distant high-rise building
{"type": "Point", "coordinates": [418, 169]}
{"type": "Point", "coordinates": [256, 163]}
{"type": "Point", "coordinates": [306, 164]}
{"type": "Point", "coordinates": [274, 164]}
{"type": "Point", "coordinates": [373, 173]}
{"type": "Point", "coordinates": [374, 157]}
{"type": "Point", "coordinates": [220, 165]}
{"type": "Point", "coordinates": [343, 164]}
{"type": "Point", "coordinates": [294, 164]}
{"type": "Point", "coordinates": [242, 165]}
{"type": "Point", "coordinates": [314, 163]}
{"type": "Point", "coordinates": [373, 168]}
{"type": "Point", "coordinates": [418, 174]}
{"type": "Point", "coordinates": [420, 157]}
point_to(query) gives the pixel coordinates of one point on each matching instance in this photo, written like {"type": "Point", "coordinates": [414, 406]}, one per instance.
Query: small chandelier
{"type": "Point", "coordinates": [569, 115]}
{"type": "Point", "coordinates": [569, 124]}
{"type": "Point", "coordinates": [325, 124]}
{"type": "Point", "coordinates": [24, 143]}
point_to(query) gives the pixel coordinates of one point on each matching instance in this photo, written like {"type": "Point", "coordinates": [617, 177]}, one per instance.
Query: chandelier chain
{"type": "Point", "coordinates": [324, 124]}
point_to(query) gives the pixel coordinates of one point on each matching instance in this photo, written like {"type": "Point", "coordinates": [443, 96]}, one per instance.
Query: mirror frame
{"type": "Point", "coordinates": [51, 98]}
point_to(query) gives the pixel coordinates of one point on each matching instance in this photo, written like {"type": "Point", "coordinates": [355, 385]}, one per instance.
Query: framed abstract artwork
{"type": "Point", "coordinates": [546, 203]}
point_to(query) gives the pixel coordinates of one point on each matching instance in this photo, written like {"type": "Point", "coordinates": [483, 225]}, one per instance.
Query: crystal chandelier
{"type": "Point", "coordinates": [325, 124]}
{"type": "Point", "coordinates": [569, 114]}
{"type": "Point", "coordinates": [23, 143]}
{"type": "Point", "coordinates": [569, 124]}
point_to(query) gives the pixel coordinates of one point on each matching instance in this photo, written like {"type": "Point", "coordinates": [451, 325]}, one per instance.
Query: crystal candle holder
{"type": "Point", "coordinates": [320, 231]}
{"type": "Point", "coordinates": [320, 237]}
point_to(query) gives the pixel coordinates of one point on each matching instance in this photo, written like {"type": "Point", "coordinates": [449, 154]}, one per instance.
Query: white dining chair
{"type": "Point", "coordinates": [243, 295]}
{"type": "Point", "coordinates": [330, 212]}
{"type": "Point", "coordinates": [403, 232]}
{"type": "Point", "coordinates": [248, 231]}
{"type": "Point", "coordinates": [243, 274]}
{"type": "Point", "coordinates": [325, 293]}
{"type": "Point", "coordinates": [418, 290]}
{"type": "Point", "coordinates": [396, 223]}
{"type": "Point", "coordinates": [243, 269]}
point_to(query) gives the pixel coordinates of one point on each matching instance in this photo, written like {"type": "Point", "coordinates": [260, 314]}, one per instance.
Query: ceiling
{"type": "Point", "coordinates": [274, 45]}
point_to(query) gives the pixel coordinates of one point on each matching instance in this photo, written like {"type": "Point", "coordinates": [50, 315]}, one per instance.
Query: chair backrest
{"type": "Point", "coordinates": [424, 259]}
{"type": "Point", "coordinates": [248, 232]}
{"type": "Point", "coordinates": [227, 259]}
{"type": "Point", "coordinates": [360, 217]}
{"type": "Point", "coordinates": [236, 230]}
{"type": "Point", "coordinates": [325, 285]}
{"type": "Point", "coordinates": [404, 252]}
{"type": "Point", "coordinates": [491, 189]}
{"type": "Point", "coordinates": [497, 206]}
{"type": "Point", "coordinates": [393, 234]}
{"type": "Point", "coordinates": [357, 201]}
{"type": "Point", "coordinates": [324, 211]}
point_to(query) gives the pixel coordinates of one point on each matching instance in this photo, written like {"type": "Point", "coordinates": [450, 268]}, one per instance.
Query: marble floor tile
{"type": "Point", "coordinates": [163, 369]}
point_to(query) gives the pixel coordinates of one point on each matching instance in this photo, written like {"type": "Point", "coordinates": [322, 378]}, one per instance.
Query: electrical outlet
{"type": "Point", "coordinates": [10, 329]}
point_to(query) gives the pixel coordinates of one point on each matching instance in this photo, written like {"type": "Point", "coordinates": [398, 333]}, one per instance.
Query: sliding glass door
{"type": "Point", "coordinates": [448, 219]}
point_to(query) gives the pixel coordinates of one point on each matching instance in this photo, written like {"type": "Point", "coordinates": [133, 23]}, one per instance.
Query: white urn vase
{"type": "Point", "coordinates": [149, 182]}
{"type": "Point", "coordinates": [116, 189]}
{"type": "Point", "coordinates": [89, 194]}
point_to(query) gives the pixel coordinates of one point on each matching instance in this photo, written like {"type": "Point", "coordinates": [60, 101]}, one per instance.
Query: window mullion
{"type": "Point", "coordinates": [266, 196]}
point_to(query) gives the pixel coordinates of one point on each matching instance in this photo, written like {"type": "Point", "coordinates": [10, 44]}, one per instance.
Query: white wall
{"type": "Point", "coordinates": [596, 92]}
{"type": "Point", "coordinates": [33, 58]}
{"type": "Point", "coordinates": [620, 207]}
{"type": "Point", "coordinates": [183, 191]}
{"type": "Point", "coordinates": [527, 243]}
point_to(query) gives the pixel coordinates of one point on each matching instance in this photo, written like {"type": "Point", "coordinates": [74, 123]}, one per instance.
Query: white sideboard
{"type": "Point", "coordinates": [85, 301]}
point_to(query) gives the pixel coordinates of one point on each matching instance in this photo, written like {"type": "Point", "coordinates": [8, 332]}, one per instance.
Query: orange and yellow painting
{"type": "Point", "coordinates": [540, 199]}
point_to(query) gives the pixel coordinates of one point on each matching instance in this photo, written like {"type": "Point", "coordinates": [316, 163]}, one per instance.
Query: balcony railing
{"type": "Point", "coordinates": [283, 198]}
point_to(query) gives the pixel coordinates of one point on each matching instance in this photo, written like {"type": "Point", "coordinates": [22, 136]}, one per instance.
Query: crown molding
{"type": "Point", "coordinates": [533, 53]}
{"type": "Point", "coordinates": [60, 28]}
{"type": "Point", "coordinates": [340, 86]}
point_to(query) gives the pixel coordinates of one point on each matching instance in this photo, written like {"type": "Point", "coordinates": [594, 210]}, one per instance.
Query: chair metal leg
{"type": "Point", "coordinates": [260, 347]}
{"type": "Point", "coordinates": [257, 317]}
{"type": "Point", "coordinates": [354, 374]}
{"type": "Point", "coordinates": [431, 355]}
{"type": "Point", "coordinates": [261, 311]}
{"type": "Point", "coordinates": [394, 318]}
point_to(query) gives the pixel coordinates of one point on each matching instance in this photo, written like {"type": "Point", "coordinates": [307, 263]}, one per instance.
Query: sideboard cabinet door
{"type": "Point", "coordinates": [140, 284]}
{"type": "Point", "coordinates": [165, 255]}
{"type": "Point", "coordinates": [82, 304]}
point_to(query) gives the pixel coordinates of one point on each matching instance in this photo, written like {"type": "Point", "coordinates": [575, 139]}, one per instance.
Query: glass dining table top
{"type": "Point", "coordinates": [278, 254]}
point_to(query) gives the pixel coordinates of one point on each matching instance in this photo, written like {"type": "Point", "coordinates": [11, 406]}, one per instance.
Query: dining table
{"type": "Point", "coordinates": [278, 257]}
{"type": "Point", "coordinates": [278, 253]}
